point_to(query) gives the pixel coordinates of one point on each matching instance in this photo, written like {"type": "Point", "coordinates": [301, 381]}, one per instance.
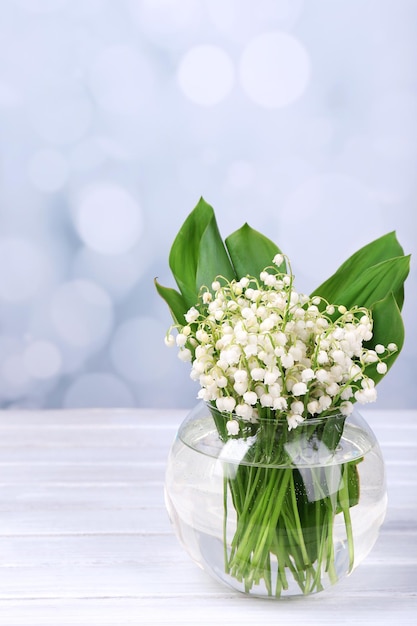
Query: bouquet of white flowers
{"type": "Point", "coordinates": [267, 356]}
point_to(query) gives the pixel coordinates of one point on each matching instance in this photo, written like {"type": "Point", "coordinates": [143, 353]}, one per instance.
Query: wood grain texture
{"type": "Point", "coordinates": [85, 538]}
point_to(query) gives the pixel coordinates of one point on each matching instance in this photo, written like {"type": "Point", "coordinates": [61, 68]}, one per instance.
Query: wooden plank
{"type": "Point", "coordinates": [88, 436]}
{"type": "Point", "coordinates": [73, 455]}
{"type": "Point", "coordinates": [24, 497]}
{"type": "Point", "coordinates": [70, 498]}
{"type": "Point", "coordinates": [133, 448]}
{"type": "Point", "coordinates": [81, 473]}
{"type": "Point", "coordinates": [392, 547]}
{"type": "Point", "coordinates": [156, 579]}
{"type": "Point", "coordinates": [84, 521]}
{"type": "Point", "coordinates": [127, 473]}
{"type": "Point", "coordinates": [134, 520]}
{"type": "Point", "coordinates": [87, 550]}
{"type": "Point", "coordinates": [326, 609]}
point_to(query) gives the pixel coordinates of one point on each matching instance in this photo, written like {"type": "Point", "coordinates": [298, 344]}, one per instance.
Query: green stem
{"type": "Point", "coordinates": [225, 556]}
{"type": "Point", "coordinates": [251, 550]}
{"type": "Point", "coordinates": [285, 519]}
{"type": "Point", "coordinates": [345, 506]}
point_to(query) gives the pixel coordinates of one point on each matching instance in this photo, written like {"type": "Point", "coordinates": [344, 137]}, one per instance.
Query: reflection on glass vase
{"type": "Point", "coordinates": [275, 512]}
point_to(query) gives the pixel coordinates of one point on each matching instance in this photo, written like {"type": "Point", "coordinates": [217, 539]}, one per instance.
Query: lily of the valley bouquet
{"type": "Point", "coordinates": [272, 362]}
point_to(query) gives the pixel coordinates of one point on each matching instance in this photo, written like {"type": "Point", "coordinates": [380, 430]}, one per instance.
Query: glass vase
{"type": "Point", "coordinates": [275, 512]}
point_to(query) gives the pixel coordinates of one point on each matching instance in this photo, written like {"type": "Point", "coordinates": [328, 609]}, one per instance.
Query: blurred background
{"type": "Point", "coordinates": [299, 117]}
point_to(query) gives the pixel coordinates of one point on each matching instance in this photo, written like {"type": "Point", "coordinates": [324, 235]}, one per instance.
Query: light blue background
{"type": "Point", "coordinates": [115, 116]}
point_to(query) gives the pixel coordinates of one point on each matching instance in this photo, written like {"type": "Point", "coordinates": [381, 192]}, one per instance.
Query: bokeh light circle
{"type": "Point", "coordinates": [108, 218]}
{"type": "Point", "coordinates": [274, 69]}
{"type": "Point", "coordinates": [206, 75]}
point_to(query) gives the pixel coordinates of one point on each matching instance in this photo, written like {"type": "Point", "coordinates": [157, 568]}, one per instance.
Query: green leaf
{"type": "Point", "coordinates": [374, 253]}
{"type": "Point", "coordinates": [250, 251]}
{"type": "Point", "coordinates": [175, 302]}
{"type": "Point", "coordinates": [388, 327]}
{"type": "Point", "coordinates": [332, 431]}
{"type": "Point", "coordinates": [372, 285]}
{"type": "Point", "coordinates": [213, 258]}
{"type": "Point", "coordinates": [198, 253]}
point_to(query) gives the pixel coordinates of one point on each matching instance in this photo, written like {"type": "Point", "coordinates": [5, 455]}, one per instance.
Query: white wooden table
{"type": "Point", "coordinates": [85, 539]}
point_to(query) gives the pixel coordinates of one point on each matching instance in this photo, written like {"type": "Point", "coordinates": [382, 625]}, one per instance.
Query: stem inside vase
{"type": "Point", "coordinates": [285, 515]}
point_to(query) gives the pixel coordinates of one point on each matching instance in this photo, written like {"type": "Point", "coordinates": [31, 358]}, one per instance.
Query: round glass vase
{"type": "Point", "coordinates": [273, 512]}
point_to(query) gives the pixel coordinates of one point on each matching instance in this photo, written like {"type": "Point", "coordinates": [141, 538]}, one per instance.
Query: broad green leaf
{"type": "Point", "coordinates": [372, 285]}
{"type": "Point", "coordinates": [388, 328]}
{"type": "Point", "coordinates": [250, 251]}
{"type": "Point", "coordinates": [332, 432]}
{"type": "Point", "coordinates": [175, 302]}
{"type": "Point", "coordinates": [198, 253]}
{"type": "Point", "coordinates": [379, 250]}
{"type": "Point", "coordinates": [213, 259]}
